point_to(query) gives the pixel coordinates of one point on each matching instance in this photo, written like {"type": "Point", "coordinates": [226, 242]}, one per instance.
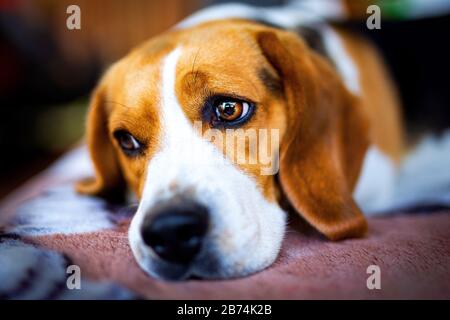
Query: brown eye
{"type": "Point", "coordinates": [129, 144]}
{"type": "Point", "coordinates": [230, 110]}
{"type": "Point", "coordinates": [222, 111]}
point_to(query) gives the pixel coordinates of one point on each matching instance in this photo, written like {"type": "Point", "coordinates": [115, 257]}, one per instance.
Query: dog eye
{"type": "Point", "coordinates": [226, 111]}
{"type": "Point", "coordinates": [129, 144]}
{"type": "Point", "coordinates": [232, 111]}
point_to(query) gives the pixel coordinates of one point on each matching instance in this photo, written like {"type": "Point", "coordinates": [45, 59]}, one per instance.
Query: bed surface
{"type": "Point", "coordinates": [46, 227]}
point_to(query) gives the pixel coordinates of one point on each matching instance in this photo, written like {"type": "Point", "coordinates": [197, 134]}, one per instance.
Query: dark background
{"type": "Point", "coordinates": [47, 72]}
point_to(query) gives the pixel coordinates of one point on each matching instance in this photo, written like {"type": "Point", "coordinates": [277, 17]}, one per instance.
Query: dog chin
{"type": "Point", "coordinates": [208, 265]}
{"type": "Point", "coordinates": [166, 271]}
{"type": "Point", "coordinates": [172, 272]}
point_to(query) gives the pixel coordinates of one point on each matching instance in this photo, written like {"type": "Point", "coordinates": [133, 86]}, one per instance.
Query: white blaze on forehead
{"type": "Point", "coordinates": [181, 145]}
{"type": "Point", "coordinates": [173, 120]}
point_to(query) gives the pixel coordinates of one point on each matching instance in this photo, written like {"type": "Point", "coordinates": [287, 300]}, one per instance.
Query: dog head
{"type": "Point", "coordinates": [165, 120]}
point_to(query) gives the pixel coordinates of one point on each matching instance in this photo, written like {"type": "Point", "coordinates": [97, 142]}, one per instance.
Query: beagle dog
{"type": "Point", "coordinates": [323, 91]}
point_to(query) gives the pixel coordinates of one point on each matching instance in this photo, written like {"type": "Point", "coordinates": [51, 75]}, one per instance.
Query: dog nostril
{"type": "Point", "coordinates": [176, 233]}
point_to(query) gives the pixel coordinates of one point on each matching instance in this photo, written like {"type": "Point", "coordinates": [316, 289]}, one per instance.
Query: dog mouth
{"type": "Point", "coordinates": [208, 265]}
{"type": "Point", "coordinates": [204, 265]}
{"type": "Point", "coordinates": [184, 237]}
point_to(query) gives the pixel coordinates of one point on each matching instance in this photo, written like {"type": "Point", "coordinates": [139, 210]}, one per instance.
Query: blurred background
{"type": "Point", "coordinates": [47, 71]}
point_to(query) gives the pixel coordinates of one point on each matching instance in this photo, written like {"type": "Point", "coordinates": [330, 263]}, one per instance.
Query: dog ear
{"type": "Point", "coordinates": [322, 154]}
{"type": "Point", "coordinates": [108, 180]}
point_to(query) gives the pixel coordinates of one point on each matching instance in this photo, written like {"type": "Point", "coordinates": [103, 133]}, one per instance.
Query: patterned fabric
{"type": "Point", "coordinates": [28, 272]}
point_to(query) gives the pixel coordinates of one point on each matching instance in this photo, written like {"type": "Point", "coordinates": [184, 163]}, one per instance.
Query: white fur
{"type": "Point", "coordinates": [376, 182]}
{"type": "Point", "coordinates": [282, 16]}
{"type": "Point", "coordinates": [341, 59]}
{"type": "Point", "coordinates": [423, 178]}
{"type": "Point", "coordinates": [246, 230]}
{"type": "Point", "coordinates": [291, 15]}
{"type": "Point", "coordinates": [327, 9]}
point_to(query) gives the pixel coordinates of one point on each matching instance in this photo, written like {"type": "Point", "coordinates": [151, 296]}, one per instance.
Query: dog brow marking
{"type": "Point", "coordinates": [271, 82]}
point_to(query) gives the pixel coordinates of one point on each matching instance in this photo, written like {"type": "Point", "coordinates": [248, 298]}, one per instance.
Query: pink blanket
{"type": "Point", "coordinates": [46, 226]}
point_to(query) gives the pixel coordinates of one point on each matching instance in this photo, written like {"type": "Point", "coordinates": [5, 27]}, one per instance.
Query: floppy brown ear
{"type": "Point", "coordinates": [108, 181]}
{"type": "Point", "coordinates": [322, 154]}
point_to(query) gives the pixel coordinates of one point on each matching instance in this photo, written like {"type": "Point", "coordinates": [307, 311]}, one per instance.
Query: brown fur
{"type": "Point", "coordinates": [324, 130]}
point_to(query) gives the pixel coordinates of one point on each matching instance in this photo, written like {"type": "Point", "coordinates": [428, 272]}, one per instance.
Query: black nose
{"type": "Point", "coordinates": [176, 232]}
